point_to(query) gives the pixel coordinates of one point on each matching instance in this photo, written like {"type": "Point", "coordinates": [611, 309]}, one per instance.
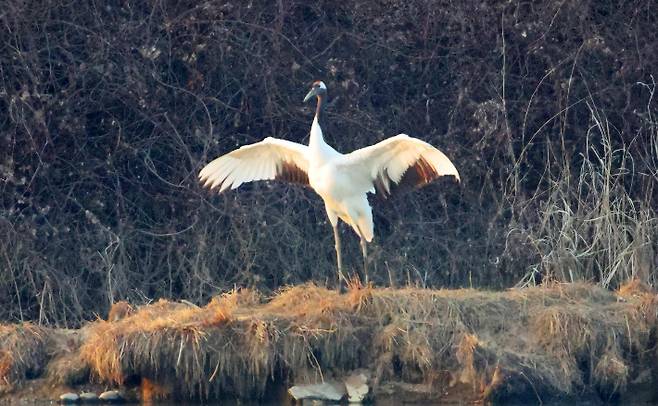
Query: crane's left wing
{"type": "Point", "coordinates": [271, 158]}
{"type": "Point", "coordinates": [400, 161]}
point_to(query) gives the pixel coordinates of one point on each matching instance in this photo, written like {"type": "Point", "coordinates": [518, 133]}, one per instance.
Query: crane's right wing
{"type": "Point", "coordinates": [399, 161]}
{"type": "Point", "coordinates": [271, 158]}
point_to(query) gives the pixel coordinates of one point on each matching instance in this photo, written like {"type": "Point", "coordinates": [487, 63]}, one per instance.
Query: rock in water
{"type": "Point", "coordinates": [111, 396]}
{"type": "Point", "coordinates": [88, 397]}
{"type": "Point", "coordinates": [69, 398]}
{"type": "Point", "coordinates": [357, 387]}
{"type": "Point", "coordinates": [331, 391]}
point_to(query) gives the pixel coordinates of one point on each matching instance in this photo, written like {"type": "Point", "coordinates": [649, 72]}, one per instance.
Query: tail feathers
{"type": "Point", "coordinates": [360, 220]}
{"type": "Point", "coordinates": [364, 228]}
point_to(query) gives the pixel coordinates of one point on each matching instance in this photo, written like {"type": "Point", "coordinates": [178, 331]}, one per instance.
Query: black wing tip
{"type": "Point", "coordinates": [206, 184]}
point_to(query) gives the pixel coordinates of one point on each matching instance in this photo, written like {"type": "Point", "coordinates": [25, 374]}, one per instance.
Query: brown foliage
{"type": "Point", "coordinates": [119, 310]}
{"type": "Point", "coordinates": [152, 392]}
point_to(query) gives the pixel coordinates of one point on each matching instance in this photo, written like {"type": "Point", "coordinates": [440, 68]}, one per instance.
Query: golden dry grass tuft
{"type": "Point", "coordinates": [633, 288]}
{"type": "Point", "coordinates": [22, 352]}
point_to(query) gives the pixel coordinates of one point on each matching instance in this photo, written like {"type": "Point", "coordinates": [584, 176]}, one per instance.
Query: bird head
{"type": "Point", "coordinates": [317, 89]}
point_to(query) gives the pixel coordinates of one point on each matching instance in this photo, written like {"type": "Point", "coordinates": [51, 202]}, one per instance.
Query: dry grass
{"type": "Point", "coordinates": [533, 343]}
{"type": "Point", "coordinates": [560, 339]}
{"type": "Point", "coordinates": [22, 352]}
{"type": "Point", "coordinates": [556, 138]}
{"type": "Point", "coordinates": [591, 221]}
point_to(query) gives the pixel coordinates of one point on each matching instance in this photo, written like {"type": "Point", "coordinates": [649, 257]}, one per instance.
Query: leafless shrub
{"type": "Point", "coordinates": [111, 110]}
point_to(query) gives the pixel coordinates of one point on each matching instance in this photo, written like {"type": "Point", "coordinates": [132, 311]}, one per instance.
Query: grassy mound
{"type": "Point", "coordinates": [558, 340]}
{"type": "Point", "coordinates": [22, 352]}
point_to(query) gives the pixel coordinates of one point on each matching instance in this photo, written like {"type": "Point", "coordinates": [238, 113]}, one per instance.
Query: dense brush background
{"type": "Point", "coordinates": [110, 108]}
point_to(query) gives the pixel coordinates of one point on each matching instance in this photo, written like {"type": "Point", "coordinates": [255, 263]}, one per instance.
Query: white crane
{"type": "Point", "coordinates": [342, 180]}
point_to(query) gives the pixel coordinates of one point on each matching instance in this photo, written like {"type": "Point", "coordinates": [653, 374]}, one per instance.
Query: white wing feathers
{"type": "Point", "coordinates": [403, 160]}
{"type": "Point", "coordinates": [271, 158]}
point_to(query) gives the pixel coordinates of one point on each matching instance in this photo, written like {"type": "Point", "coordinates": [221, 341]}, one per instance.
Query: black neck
{"type": "Point", "coordinates": [319, 109]}
{"type": "Point", "coordinates": [320, 106]}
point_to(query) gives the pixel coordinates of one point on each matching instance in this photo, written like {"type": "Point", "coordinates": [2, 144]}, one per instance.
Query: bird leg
{"type": "Point", "coordinates": [339, 261]}
{"type": "Point", "coordinates": [364, 251]}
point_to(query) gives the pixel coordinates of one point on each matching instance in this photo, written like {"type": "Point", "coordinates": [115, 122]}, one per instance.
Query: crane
{"type": "Point", "coordinates": [342, 180]}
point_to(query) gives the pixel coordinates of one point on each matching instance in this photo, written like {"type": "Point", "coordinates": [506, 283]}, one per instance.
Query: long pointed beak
{"type": "Point", "coordinates": [310, 94]}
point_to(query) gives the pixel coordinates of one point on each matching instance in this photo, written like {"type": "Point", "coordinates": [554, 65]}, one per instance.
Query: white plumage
{"type": "Point", "coordinates": [260, 161]}
{"type": "Point", "coordinates": [342, 180]}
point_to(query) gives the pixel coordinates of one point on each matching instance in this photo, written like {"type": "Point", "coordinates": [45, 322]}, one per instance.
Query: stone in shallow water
{"type": "Point", "coordinates": [69, 398]}
{"type": "Point", "coordinates": [111, 396]}
{"type": "Point", "coordinates": [88, 397]}
{"type": "Point", "coordinates": [331, 391]}
{"type": "Point", "coordinates": [357, 387]}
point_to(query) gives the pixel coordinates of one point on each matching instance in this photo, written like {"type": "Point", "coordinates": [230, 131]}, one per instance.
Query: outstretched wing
{"type": "Point", "coordinates": [271, 158]}
{"type": "Point", "coordinates": [400, 161]}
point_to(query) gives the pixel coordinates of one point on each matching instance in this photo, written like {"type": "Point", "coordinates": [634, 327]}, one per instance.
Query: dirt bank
{"type": "Point", "coordinates": [556, 341]}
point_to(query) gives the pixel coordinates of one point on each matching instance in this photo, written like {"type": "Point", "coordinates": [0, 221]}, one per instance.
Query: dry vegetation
{"type": "Point", "coordinates": [22, 352]}
{"type": "Point", "coordinates": [548, 109]}
{"type": "Point", "coordinates": [553, 341]}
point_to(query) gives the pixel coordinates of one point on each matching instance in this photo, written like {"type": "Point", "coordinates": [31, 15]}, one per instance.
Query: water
{"type": "Point", "coordinates": [384, 402]}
